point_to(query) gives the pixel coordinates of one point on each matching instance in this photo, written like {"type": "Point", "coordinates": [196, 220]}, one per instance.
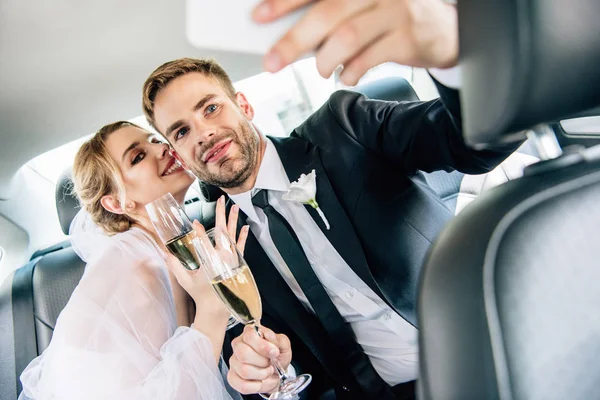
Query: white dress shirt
{"type": "Point", "coordinates": [387, 339]}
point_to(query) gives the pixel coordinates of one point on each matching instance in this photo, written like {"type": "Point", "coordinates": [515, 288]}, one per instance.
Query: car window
{"type": "Point", "coordinates": [582, 127]}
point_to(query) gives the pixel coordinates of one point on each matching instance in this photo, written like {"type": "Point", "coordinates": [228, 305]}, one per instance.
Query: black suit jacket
{"type": "Point", "coordinates": [366, 154]}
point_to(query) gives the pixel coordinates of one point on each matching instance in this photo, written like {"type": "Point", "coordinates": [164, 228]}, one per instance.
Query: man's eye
{"type": "Point", "coordinates": [181, 133]}
{"type": "Point", "coordinates": [137, 158]}
{"type": "Point", "coordinates": [211, 108]}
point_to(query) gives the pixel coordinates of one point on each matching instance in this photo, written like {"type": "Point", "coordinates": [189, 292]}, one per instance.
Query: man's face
{"type": "Point", "coordinates": [210, 132]}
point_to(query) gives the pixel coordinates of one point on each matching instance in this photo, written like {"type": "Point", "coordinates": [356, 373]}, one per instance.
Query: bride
{"type": "Point", "coordinates": [130, 330]}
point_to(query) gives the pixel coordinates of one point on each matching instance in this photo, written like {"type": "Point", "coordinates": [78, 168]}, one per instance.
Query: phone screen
{"type": "Point", "coordinates": [226, 25]}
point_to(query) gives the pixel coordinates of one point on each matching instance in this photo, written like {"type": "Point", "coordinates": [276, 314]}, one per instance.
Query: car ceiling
{"type": "Point", "coordinates": [68, 67]}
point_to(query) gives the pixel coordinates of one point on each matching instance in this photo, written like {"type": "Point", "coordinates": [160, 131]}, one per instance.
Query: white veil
{"type": "Point", "coordinates": [118, 336]}
{"type": "Point", "coordinates": [87, 239]}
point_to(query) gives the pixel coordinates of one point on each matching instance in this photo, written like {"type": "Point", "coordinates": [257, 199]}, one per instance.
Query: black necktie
{"type": "Point", "coordinates": [340, 332]}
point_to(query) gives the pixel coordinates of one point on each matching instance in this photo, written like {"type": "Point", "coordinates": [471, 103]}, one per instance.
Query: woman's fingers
{"type": "Point", "coordinates": [241, 242]}
{"type": "Point", "coordinates": [229, 224]}
{"type": "Point", "coordinates": [178, 270]}
{"type": "Point", "coordinates": [233, 219]}
{"type": "Point", "coordinates": [198, 227]}
{"type": "Point", "coordinates": [220, 218]}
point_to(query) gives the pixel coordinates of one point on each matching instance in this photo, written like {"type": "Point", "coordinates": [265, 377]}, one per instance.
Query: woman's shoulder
{"type": "Point", "coordinates": [132, 252]}
{"type": "Point", "coordinates": [130, 260]}
{"type": "Point", "coordinates": [134, 244]}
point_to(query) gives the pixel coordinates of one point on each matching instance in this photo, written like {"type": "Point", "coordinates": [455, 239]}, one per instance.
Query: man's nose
{"type": "Point", "coordinates": [203, 133]}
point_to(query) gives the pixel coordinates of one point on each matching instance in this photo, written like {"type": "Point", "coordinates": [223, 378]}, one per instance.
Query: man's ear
{"type": "Point", "coordinates": [245, 105]}
{"type": "Point", "coordinates": [111, 204]}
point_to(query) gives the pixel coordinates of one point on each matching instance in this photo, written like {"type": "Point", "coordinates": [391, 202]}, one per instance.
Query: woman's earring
{"type": "Point", "coordinates": [130, 206]}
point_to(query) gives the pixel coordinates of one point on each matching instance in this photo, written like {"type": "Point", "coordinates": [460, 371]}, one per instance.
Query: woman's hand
{"type": "Point", "coordinates": [195, 282]}
{"type": "Point", "coordinates": [211, 314]}
{"type": "Point", "coordinates": [231, 226]}
{"type": "Point", "coordinates": [360, 34]}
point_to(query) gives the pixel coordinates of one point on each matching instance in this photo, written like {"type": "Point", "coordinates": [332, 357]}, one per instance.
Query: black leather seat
{"type": "Point", "coordinates": [509, 296]}
{"type": "Point", "coordinates": [34, 295]}
{"type": "Point", "coordinates": [456, 189]}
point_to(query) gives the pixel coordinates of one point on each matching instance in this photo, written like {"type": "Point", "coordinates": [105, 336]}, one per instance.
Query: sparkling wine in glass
{"type": "Point", "coordinates": [234, 284]}
{"type": "Point", "coordinates": [175, 230]}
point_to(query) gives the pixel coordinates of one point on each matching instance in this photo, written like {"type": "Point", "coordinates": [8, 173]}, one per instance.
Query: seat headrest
{"type": "Point", "coordinates": [391, 89]}
{"type": "Point", "coordinates": [209, 192]}
{"type": "Point", "coordinates": [67, 204]}
{"type": "Point", "coordinates": [526, 62]}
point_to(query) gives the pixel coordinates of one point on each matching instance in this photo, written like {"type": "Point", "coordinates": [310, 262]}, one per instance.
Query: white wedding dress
{"type": "Point", "coordinates": [118, 338]}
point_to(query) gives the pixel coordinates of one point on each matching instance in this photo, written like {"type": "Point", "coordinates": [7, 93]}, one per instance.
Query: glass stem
{"type": "Point", "coordinates": [280, 371]}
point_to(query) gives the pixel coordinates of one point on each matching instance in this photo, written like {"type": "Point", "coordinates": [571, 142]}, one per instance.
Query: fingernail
{"type": "Point", "coordinates": [236, 207]}
{"type": "Point", "coordinates": [273, 353]}
{"type": "Point", "coordinates": [349, 78]}
{"type": "Point", "coordinates": [222, 199]}
{"type": "Point", "coordinates": [273, 61]}
{"type": "Point", "coordinates": [263, 11]}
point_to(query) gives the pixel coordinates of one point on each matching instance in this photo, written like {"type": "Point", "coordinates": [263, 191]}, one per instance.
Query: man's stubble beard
{"type": "Point", "coordinates": [248, 143]}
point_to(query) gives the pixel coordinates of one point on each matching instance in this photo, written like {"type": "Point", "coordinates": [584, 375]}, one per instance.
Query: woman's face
{"type": "Point", "coordinates": [147, 166]}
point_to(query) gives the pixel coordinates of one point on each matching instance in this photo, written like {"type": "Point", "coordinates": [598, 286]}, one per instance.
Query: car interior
{"type": "Point", "coordinates": [508, 291]}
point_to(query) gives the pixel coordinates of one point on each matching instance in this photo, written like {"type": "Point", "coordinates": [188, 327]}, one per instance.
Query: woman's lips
{"type": "Point", "coordinates": [173, 166]}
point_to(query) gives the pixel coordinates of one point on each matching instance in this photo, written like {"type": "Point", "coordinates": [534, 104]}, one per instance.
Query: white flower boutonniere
{"type": "Point", "coordinates": [304, 191]}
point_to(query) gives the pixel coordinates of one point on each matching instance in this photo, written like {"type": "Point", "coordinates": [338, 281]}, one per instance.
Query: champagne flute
{"type": "Point", "coordinates": [233, 281]}
{"type": "Point", "coordinates": [175, 230]}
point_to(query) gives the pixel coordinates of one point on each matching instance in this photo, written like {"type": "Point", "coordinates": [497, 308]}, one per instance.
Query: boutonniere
{"type": "Point", "coordinates": [304, 191]}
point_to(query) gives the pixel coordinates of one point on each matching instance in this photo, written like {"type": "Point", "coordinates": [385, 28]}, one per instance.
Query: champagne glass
{"type": "Point", "coordinates": [233, 281]}
{"type": "Point", "coordinates": [175, 230]}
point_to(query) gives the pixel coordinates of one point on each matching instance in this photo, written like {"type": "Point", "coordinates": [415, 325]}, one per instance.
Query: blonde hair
{"type": "Point", "coordinates": [167, 72]}
{"type": "Point", "coordinates": [96, 174]}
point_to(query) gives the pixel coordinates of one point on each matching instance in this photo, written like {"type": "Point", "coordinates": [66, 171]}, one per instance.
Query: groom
{"type": "Point", "coordinates": [344, 294]}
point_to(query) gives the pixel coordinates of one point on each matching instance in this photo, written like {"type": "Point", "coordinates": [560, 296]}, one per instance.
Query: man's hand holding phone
{"type": "Point", "coordinates": [360, 34]}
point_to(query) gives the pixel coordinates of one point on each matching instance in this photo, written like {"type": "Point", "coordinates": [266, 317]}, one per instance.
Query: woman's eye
{"type": "Point", "coordinates": [181, 133]}
{"type": "Point", "coordinates": [155, 141]}
{"type": "Point", "coordinates": [137, 158]}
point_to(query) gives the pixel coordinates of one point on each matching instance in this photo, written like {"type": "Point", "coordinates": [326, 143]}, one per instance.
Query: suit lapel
{"type": "Point", "coordinates": [299, 157]}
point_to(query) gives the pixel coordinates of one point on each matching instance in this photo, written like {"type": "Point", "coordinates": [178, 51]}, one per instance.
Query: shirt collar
{"type": "Point", "coordinates": [271, 176]}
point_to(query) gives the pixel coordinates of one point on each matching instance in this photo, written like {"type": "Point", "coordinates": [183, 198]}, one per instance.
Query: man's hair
{"type": "Point", "coordinates": [171, 70]}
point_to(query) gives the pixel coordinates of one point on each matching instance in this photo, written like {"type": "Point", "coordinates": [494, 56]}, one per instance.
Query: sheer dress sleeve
{"type": "Point", "coordinates": [118, 338]}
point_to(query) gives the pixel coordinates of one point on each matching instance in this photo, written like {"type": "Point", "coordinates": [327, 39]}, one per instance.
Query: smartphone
{"type": "Point", "coordinates": [227, 25]}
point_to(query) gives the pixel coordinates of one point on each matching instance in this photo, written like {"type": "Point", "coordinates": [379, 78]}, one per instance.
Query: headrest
{"type": "Point", "coordinates": [67, 204]}
{"type": "Point", "coordinates": [526, 62]}
{"type": "Point", "coordinates": [209, 192]}
{"type": "Point", "coordinates": [391, 89]}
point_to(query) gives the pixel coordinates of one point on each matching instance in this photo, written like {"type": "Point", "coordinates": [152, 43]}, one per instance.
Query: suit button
{"type": "Point", "coordinates": [345, 388]}
{"type": "Point", "coordinates": [349, 294]}
{"type": "Point", "coordinates": [387, 316]}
